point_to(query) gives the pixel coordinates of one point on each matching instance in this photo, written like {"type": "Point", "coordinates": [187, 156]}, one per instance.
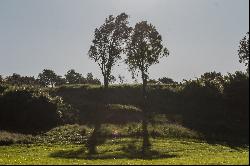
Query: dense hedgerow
{"type": "Point", "coordinates": [212, 104]}
{"type": "Point", "coordinates": [28, 110]}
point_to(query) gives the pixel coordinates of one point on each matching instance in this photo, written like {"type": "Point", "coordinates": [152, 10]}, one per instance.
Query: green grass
{"type": "Point", "coordinates": [126, 151]}
{"type": "Point", "coordinates": [78, 134]}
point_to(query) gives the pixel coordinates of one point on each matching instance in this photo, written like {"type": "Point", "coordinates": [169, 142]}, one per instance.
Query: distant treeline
{"type": "Point", "coordinates": [48, 78]}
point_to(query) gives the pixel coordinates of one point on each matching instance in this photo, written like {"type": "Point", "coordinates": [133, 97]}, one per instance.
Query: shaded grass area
{"type": "Point", "coordinates": [126, 151]}
{"type": "Point", "coordinates": [78, 134]}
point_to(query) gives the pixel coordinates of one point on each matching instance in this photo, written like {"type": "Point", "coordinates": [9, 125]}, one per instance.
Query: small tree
{"type": "Point", "coordinates": [48, 78]}
{"type": "Point", "coordinates": [90, 77]}
{"type": "Point", "coordinates": [91, 80]}
{"type": "Point", "coordinates": [108, 44]}
{"type": "Point", "coordinates": [144, 49]}
{"type": "Point", "coordinates": [72, 77]}
{"type": "Point", "coordinates": [243, 51]}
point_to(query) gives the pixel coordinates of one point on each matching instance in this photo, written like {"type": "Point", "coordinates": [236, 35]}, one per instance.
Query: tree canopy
{"type": "Point", "coordinates": [48, 78]}
{"type": "Point", "coordinates": [109, 42]}
{"type": "Point", "coordinates": [144, 49]}
{"type": "Point", "coordinates": [243, 51]}
{"type": "Point", "coordinates": [72, 77]}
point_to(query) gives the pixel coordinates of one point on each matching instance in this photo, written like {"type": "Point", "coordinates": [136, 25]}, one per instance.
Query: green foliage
{"type": "Point", "coordinates": [215, 105]}
{"type": "Point", "coordinates": [108, 43]}
{"type": "Point", "coordinates": [7, 138]}
{"type": "Point", "coordinates": [156, 131]}
{"type": "Point", "coordinates": [236, 94]}
{"type": "Point", "coordinates": [91, 80]}
{"type": "Point", "coordinates": [212, 104]}
{"type": "Point", "coordinates": [59, 81]}
{"type": "Point", "coordinates": [33, 110]}
{"type": "Point", "coordinates": [72, 77]}
{"type": "Point", "coordinates": [243, 51]}
{"type": "Point", "coordinates": [144, 48]}
{"type": "Point", "coordinates": [68, 134]}
{"type": "Point", "coordinates": [17, 79]}
{"type": "Point", "coordinates": [48, 78]}
{"type": "Point", "coordinates": [14, 79]}
{"type": "Point", "coordinates": [2, 88]}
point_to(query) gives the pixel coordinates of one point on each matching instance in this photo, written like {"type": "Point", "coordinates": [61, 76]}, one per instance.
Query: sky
{"type": "Point", "coordinates": [201, 35]}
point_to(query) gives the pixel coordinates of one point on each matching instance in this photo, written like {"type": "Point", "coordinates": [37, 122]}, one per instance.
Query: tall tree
{"type": "Point", "coordinates": [48, 78]}
{"type": "Point", "coordinates": [109, 43]}
{"type": "Point", "coordinates": [243, 51]}
{"type": "Point", "coordinates": [144, 49]}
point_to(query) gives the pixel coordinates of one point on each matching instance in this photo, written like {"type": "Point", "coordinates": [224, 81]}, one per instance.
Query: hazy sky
{"type": "Point", "coordinates": [202, 35]}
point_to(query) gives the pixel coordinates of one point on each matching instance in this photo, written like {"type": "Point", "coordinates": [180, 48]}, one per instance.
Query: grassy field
{"type": "Point", "coordinates": [126, 151]}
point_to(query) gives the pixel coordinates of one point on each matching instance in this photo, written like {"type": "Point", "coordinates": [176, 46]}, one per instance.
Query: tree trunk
{"type": "Point", "coordinates": [106, 82]}
{"type": "Point", "coordinates": [93, 140]}
{"type": "Point", "coordinates": [144, 85]}
{"type": "Point", "coordinates": [146, 143]}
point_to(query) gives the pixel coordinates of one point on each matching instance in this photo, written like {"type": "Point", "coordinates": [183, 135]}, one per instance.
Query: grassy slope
{"type": "Point", "coordinates": [116, 151]}
{"type": "Point", "coordinates": [175, 148]}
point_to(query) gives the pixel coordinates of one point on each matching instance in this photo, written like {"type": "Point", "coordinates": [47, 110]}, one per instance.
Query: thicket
{"type": "Point", "coordinates": [216, 105]}
{"type": "Point", "coordinates": [32, 110]}
{"type": "Point", "coordinates": [213, 104]}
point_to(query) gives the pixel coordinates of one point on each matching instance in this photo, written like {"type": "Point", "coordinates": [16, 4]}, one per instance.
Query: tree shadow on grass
{"type": "Point", "coordinates": [80, 154]}
{"type": "Point", "coordinates": [129, 151]}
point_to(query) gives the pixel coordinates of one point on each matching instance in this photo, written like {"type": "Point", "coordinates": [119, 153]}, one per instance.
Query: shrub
{"type": "Point", "coordinates": [30, 110]}
{"type": "Point", "coordinates": [236, 95]}
{"type": "Point", "coordinates": [2, 88]}
{"type": "Point", "coordinates": [67, 134]}
{"type": "Point", "coordinates": [7, 138]}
